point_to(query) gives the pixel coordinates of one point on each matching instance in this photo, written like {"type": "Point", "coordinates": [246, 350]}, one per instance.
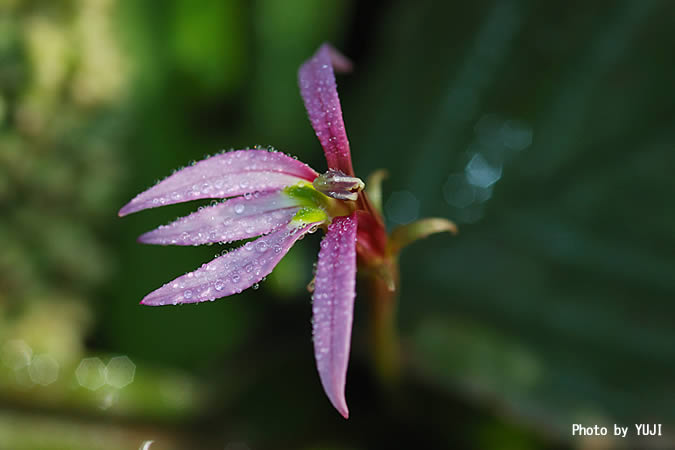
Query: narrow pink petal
{"type": "Point", "coordinates": [319, 92]}
{"type": "Point", "coordinates": [224, 175]}
{"type": "Point", "coordinates": [333, 307]}
{"type": "Point", "coordinates": [230, 273]}
{"type": "Point", "coordinates": [232, 220]}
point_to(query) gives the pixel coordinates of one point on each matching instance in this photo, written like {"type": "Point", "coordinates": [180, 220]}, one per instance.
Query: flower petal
{"type": "Point", "coordinates": [224, 175]}
{"type": "Point", "coordinates": [333, 307]}
{"type": "Point", "coordinates": [230, 273]}
{"type": "Point", "coordinates": [319, 92]}
{"type": "Point", "coordinates": [232, 220]}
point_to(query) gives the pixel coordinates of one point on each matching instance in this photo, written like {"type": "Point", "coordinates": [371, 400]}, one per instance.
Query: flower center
{"type": "Point", "coordinates": [336, 184]}
{"type": "Point", "coordinates": [315, 206]}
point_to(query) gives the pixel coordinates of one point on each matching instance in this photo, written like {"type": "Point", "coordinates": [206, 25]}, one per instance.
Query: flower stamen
{"type": "Point", "coordinates": [337, 185]}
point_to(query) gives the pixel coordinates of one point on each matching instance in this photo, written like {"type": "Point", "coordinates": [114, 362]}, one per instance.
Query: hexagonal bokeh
{"type": "Point", "coordinates": [43, 369]}
{"type": "Point", "coordinates": [16, 354]}
{"type": "Point", "coordinates": [90, 373]}
{"type": "Point", "coordinates": [120, 371]}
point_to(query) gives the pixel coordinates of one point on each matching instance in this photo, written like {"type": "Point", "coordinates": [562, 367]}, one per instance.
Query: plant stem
{"type": "Point", "coordinates": [384, 334]}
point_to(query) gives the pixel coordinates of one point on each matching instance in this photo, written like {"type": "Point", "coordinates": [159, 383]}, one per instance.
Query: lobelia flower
{"type": "Point", "coordinates": [272, 195]}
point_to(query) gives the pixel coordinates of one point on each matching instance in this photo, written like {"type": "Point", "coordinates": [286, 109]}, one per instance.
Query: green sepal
{"type": "Point", "coordinates": [315, 206]}
{"type": "Point", "coordinates": [305, 195]}
{"type": "Point", "coordinates": [309, 214]}
{"type": "Point", "coordinates": [374, 188]}
{"type": "Point", "coordinates": [407, 234]}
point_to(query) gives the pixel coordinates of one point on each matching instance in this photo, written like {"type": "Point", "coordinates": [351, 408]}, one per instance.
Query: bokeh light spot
{"type": "Point", "coordinates": [402, 207]}
{"type": "Point", "coordinates": [458, 192]}
{"type": "Point", "coordinates": [120, 371]}
{"type": "Point", "coordinates": [16, 354]}
{"type": "Point", "coordinates": [43, 369]}
{"type": "Point", "coordinates": [480, 173]}
{"type": "Point", "coordinates": [516, 135]}
{"type": "Point", "coordinates": [90, 373]}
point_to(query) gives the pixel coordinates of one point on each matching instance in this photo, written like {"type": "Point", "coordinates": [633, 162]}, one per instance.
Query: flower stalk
{"type": "Point", "coordinates": [385, 343]}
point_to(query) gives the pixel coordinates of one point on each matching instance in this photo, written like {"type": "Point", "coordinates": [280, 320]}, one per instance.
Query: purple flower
{"type": "Point", "coordinates": [280, 199]}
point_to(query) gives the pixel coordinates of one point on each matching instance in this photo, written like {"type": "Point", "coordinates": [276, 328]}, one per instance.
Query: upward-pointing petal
{"type": "Point", "coordinates": [333, 307]}
{"type": "Point", "coordinates": [230, 273]}
{"type": "Point", "coordinates": [224, 175]}
{"type": "Point", "coordinates": [319, 92]}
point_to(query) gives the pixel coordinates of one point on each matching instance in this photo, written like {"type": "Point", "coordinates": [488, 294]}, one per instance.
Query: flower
{"type": "Point", "coordinates": [280, 199]}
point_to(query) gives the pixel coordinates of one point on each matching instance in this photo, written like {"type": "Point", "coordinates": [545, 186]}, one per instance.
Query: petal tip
{"type": "Point", "coordinates": [123, 211]}
{"type": "Point", "coordinates": [344, 412]}
{"type": "Point", "coordinates": [336, 395]}
{"type": "Point", "coordinates": [148, 301]}
{"type": "Point", "coordinates": [145, 238]}
{"type": "Point", "coordinates": [339, 61]}
{"type": "Point", "coordinates": [129, 208]}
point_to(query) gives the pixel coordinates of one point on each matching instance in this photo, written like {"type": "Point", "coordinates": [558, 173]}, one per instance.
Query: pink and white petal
{"type": "Point", "coordinates": [231, 273]}
{"type": "Point", "coordinates": [319, 92]}
{"type": "Point", "coordinates": [232, 220]}
{"type": "Point", "coordinates": [224, 175]}
{"type": "Point", "coordinates": [333, 307]}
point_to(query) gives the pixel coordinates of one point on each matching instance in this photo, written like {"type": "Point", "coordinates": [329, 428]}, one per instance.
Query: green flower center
{"type": "Point", "coordinates": [315, 206]}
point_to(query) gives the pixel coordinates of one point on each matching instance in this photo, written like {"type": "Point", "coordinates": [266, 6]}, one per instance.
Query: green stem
{"type": "Point", "coordinates": [384, 334]}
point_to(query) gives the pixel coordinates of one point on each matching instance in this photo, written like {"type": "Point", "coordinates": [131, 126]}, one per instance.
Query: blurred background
{"type": "Point", "coordinates": [544, 129]}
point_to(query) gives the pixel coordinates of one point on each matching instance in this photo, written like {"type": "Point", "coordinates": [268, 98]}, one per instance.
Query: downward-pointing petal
{"type": "Point", "coordinates": [319, 92]}
{"type": "Point", "coordinates": [230, 273]}
{"type": "Point", "coordinates": [224, 175]}
{"type": "Point", "coordinates": [333, 307]}
{"type": "Point", "coordinates": [232, 220]}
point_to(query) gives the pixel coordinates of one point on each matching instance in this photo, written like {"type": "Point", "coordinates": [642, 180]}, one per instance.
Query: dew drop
{"type": "Point", "coordinates": [219, 285]}
{"type": "Point", "coordinates": [239, 208]}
